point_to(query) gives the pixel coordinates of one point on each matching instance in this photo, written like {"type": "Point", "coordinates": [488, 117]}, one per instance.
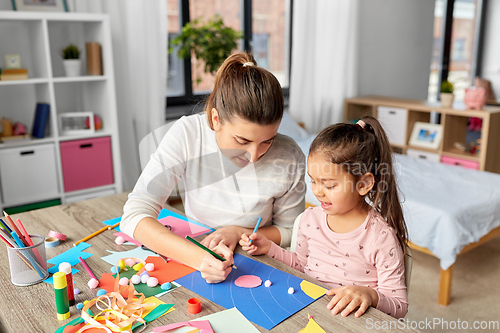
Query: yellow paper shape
{"type": "Point", "coordinates": [312, 290]}
{"type": "Point", "coordinates": [150, 308]}
{"type": "Point", "coordinates": [312, 327]}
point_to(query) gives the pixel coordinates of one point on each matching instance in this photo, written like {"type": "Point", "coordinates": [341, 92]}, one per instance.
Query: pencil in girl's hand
{"type": "Point", "coordinates": [201, 246]}
{"type": "Point", "coordinates": [255, 229]}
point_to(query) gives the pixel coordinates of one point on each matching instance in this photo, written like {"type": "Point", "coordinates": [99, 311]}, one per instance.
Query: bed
{"type": "Point", "coordinates": [449, 210]}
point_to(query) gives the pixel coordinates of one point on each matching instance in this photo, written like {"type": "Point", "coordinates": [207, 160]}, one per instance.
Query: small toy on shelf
{"type": "Point", "coordinates": [475, 97]}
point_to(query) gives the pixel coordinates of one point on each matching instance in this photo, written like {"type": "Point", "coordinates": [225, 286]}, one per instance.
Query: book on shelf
{"type": "Point", "coordinates": [14, 71]}
{"type": "Point", "coordinates": [13, 138]}
{"type": "Point", "coordinates": [94, 58]}
{"type": "Point", "coordinates": [13, 77]}
{"type": "Point", "coordinates": [40, 122]}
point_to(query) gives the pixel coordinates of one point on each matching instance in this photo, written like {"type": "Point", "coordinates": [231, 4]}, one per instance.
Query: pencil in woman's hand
{"type": "Point", "coordinates": [201, 246]}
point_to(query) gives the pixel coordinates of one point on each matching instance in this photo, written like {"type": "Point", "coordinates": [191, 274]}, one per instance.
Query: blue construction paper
{"type": "Point", "coordinates": [138, 252]}
{"type": "Point", "coordinates": [265, 306]}
{"type": "Point", "coordinates": [163, 213]}
{"type": "Point", "coordinates": [70, 256]}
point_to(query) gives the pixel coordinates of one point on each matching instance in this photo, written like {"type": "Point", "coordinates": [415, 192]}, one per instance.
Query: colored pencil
{"type": "Point", "coordinates": [108, 227]}
{"type": "Point", "coordinates": [7, 236]}
{"type": "Point", "coordinates": [5, 226]}
{"type": "Point", "coordinates": [30, 243]}
{"type": "Point", "coordinates": [255, 229]}
{"type": "Point", "coordinates": [9, 244]}
{"type": "Point", "coordinates": [208, 250]}
{"type": "Point", "coordinates": [14, 228]}
{"type": "Point", "coordinates": [28, 254]}
{"type": "Point", "coordinates": [87, 268]}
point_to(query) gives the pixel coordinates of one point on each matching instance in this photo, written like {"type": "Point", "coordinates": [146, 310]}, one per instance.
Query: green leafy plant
{"type": "Point", "coordinates": [210, 42]}
{"type": "Point", "coordinates": [70, 52]}
{"type": "Point", "coordinates": [446, 87]}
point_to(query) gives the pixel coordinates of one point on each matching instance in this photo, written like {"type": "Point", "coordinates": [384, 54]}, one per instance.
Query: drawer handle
{"type": "Point", "coordinates": [392, 112]}
{"type": "Point", "coordinates": [86, 145]}
{"type": "Point", "coordinates": [422, 157]}
{"type": "Point", "coordinates": [28, 152]}
{"type": "Point", "coordinates": [458, 163]}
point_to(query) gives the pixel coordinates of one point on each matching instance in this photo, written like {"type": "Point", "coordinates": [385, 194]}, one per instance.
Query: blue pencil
{"type": "Point", "coordinates": [5, 226]}
{"type": "Point", "coordinates": [255, 229]}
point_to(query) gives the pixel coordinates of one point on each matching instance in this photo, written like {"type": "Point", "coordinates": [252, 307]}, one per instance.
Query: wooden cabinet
{"type": "Point", "coordinates": [38, 38]}
{"type": "Point", "coordinates": [453, 120]}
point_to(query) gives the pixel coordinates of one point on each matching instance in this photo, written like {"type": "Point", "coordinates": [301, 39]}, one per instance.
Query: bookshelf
{"type": "Point", "coordinates": [36, 170]}
{"type": "Point", "coordinates": [406, 113]}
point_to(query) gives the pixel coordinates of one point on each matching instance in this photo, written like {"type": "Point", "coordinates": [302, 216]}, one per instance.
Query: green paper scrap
{"type": "Point", "coordinates": [74, 322]}
{"type": "Point", "coordinates": [143, 287]}
{"type": "Point", "coordinates": [225, 322]}
{"type": "Point", "coordinates": [157, 312]}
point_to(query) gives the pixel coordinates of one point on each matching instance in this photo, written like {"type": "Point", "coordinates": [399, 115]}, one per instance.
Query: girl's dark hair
{"type": "Point", "coordinates": [359, 151]}
{"type": "Point", "coordinates": [244, 90]}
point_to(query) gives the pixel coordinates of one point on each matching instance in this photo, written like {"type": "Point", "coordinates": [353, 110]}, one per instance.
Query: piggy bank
{"type": "Point", "coordinates": [475, 98]}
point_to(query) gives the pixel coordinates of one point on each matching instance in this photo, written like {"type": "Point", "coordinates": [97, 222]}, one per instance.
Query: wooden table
{"type": "Point", "coordinates": [32, 309]}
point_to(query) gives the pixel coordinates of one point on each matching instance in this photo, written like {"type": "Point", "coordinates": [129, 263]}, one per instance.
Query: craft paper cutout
{"type": "Point", "coordinates": [72, 327]}
{"type": "Point", "coordinates": [248, 281]}
{"type": "Point", "coordinates": [312, 290]}
{"type": "Point", "coordinates": [180, 227]}
{"type": "Point", "coordinates": [137, 252]}
{"type": "Point", "coordinates": [203, 325]}
{"type": "Point", "coordinates": [168, 271]}
{"type": "Point", "coordinates": [312, 327]}
{"type": "Point", "coordinates": [225, 321]}
{"type": "Point", "coordinates": [70, 256]}
{"type": "Point", "coordinates": [266, 307]}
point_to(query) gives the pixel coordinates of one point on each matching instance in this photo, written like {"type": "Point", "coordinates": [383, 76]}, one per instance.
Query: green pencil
{"type": "Point", "coordinates": [208, 250]}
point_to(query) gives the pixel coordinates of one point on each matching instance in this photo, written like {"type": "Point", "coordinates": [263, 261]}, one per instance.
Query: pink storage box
{"type": "Point", "coordinates": [86, 163]}
{"type": "Point", "coordinates": [460, 162]}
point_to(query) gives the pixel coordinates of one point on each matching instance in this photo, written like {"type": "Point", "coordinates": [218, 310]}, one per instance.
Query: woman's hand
{"type": "Point", "coordinates": [228, 236]}
{"type": "Point", "coordinates": [351, 297]}
{"type": "Point", "coordinates": [260, 244]}
{"type": "Point", "coordinates": [214, 270]}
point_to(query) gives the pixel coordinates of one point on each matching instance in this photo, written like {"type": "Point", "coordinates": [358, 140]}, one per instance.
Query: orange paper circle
{"type": "Point", "coordinates": [194, 305]}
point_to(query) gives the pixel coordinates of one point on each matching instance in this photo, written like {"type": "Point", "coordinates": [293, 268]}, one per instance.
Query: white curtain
{"type": "Point", "coordinates": [324, 60]}
{"type": "Point", "coordinates": [139, 35]}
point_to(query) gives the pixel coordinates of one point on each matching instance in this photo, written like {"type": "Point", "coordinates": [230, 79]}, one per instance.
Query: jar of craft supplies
{"type": "Point", "coordinates": [28, 264]}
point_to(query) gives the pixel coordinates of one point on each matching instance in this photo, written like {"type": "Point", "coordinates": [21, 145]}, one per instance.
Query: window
{"type": "Point", "coordinates": [458, 28]}
{"type": "Point", "coordinates": [265, 23]}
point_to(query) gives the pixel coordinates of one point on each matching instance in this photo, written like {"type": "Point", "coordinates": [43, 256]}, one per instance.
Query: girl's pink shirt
{"type": "Point", "coordinates": [368, 256]}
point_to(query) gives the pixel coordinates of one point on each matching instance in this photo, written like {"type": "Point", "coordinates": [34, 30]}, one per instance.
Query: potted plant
{"type": "Point", "coordinates": [210, 42]}
{"type": "Point", "coordinates": [446, 94]}
{"type": "Point", "coordinates": [72, 63]}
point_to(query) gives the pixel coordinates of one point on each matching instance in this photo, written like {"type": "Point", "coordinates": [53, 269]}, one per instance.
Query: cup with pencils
{"type": "Point", "coordinates": [27, 259]}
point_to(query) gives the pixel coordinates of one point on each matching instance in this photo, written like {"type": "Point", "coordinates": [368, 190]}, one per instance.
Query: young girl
{"type": "Point", "coordinates": [235, 168]}
{"type": "Point", "coordinates": [355, 241]}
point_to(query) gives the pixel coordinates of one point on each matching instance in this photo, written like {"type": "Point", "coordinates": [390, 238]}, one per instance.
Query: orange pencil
{"type": "Point", "coordinates": [30, 242]}
{"type": "Point", "coordinates": [14, 227]}
{"type": "Point", "coordinates": [108, 227]}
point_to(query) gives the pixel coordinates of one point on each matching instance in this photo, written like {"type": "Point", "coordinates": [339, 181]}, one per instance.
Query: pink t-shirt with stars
{"type": "Point", "coordinates": [368, 256]}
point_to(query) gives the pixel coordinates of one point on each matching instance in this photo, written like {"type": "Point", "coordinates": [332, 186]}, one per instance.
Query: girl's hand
{"type": "Point", "coordinates": [228, 236]}
{"type": "Point", "coordinates": [212, 269]}
{"type": "Point", "coordinates": [351, 297]}
{"type": "Point", "coordinates": [260, 244]}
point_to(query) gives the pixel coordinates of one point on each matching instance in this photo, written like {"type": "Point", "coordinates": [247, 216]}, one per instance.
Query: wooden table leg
{"type": "Point", "coordinates": [444, 296]}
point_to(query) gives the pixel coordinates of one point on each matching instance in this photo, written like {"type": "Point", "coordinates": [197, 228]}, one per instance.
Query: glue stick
{"type": "Point", "coordinates": [61, 293]}
{"type": "Point", "coordinates": [65, 267]}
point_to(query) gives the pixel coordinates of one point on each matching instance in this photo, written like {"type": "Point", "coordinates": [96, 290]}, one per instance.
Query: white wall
{"type": "Point", "coordinates": [395, 50]}
{"type": "Point", "coordinates": [491, 47]}
{"type": "Point", "coordinates": [5, 5]}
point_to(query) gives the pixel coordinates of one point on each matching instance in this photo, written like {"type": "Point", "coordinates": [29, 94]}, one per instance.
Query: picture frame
{"type": "Point", "coordinates": [12, 61]}
{"type": "Point", "coordinates": [426, 135]}
{"type": "Point", "coordinates": [40, 5]}
{"type": "Point", "coordinates": [71, 123]}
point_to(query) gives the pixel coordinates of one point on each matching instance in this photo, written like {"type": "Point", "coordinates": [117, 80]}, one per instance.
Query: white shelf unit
{"type": "Point", "coordinates": [39, 38]}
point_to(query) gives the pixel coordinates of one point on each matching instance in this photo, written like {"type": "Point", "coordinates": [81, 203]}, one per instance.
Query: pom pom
{"type": "Point", "coordinates": [152, 282]}
{"type": "Point", "coordinates": [77, 291]}
{"type": "Point", "coordinates": [101, 292]}
{"type": "Point", "coordinates": [144, 273]}
{"type": "Point", "coordinates": [150, 267]}
{"type": "Point", "coordinates": [119, 240]}
{"type": "Point", "coordinates": [123, 281]}
{"type": "Point", "coordinates": [93, 283]}
{"type": "Point", "coordinates": [121, 264]}
{"type": "Point", "coordinates": [268, 283]}
{"type": "Point", "coordinates": [137, 267]}
{"type": "Point", "coordinates": [144, 278]}
{"type": "Point", "coordinates": [291, 290]}
{"type": "Point", "coordinates": [129, 262]}
{"type": "Point", "coordinates": [136, 279]}
{"type": "Point", "coordinates": [166, 286]}
{"type": "Point", "coordinates": [85, 302]}
{"type": "Point", "coordinates": [79, 306]}
{"type": "Point", "coordinates": [113, 269]}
